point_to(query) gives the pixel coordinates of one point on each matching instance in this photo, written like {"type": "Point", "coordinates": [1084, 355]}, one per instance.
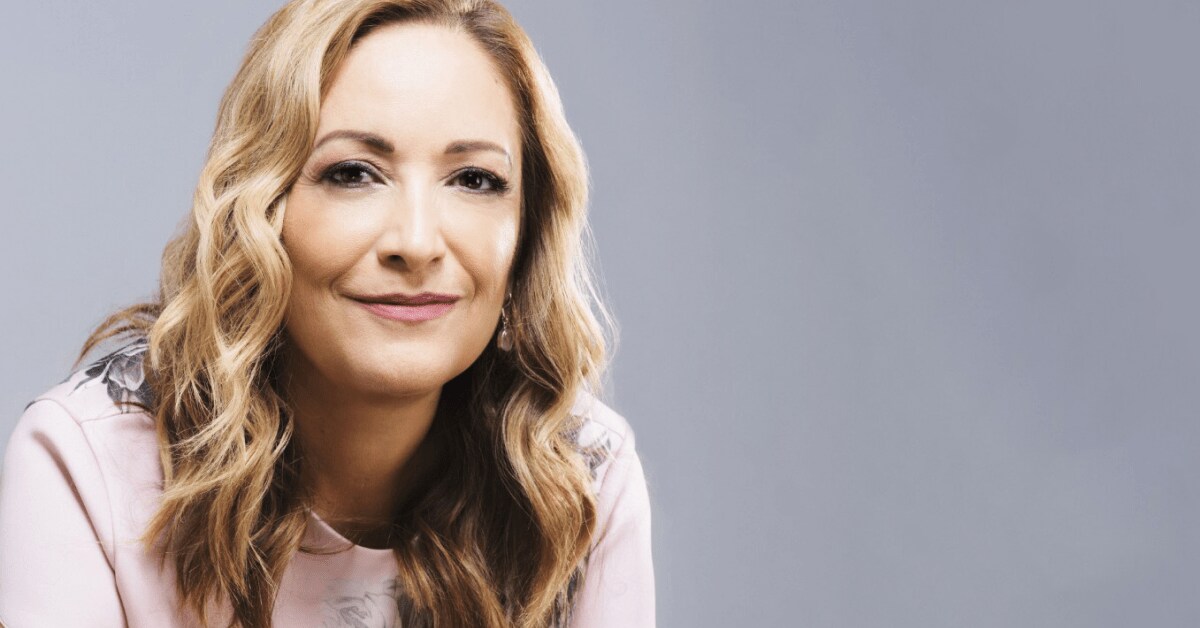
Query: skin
{"type": "Point", "coordinates": [422, 217]}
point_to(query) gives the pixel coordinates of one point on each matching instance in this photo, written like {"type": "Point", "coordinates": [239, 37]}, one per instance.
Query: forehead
{"type": "Point", "coordinates": [416, 82]}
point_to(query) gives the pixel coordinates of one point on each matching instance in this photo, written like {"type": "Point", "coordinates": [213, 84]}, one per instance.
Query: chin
{"type": "Point", "coordinates": [403, 376]}
{"type": "Point", "coordinates": [370, 366]}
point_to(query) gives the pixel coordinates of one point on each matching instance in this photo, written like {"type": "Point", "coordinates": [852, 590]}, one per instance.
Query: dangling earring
{"type": "Point", "coordinates": [504, 341]}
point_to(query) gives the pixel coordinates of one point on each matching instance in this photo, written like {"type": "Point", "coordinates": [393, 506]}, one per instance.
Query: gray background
{"type": "Point", "coordinates": [907, 289]}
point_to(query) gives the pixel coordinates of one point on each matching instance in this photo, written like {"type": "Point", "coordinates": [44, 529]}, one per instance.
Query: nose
{"type": "Point", "coordinates": [412, 236]}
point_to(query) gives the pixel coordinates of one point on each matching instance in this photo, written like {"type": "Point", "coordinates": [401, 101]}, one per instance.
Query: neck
{"type": "Point", "coordinates": [363, 456]}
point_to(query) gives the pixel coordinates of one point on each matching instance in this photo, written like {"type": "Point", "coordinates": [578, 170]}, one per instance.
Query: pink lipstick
{"type": "Point", "coordinates": [409, 308]}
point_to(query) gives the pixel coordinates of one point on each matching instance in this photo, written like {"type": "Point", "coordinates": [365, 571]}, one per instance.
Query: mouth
{"type": "Point", "coordinates": [412, 308]}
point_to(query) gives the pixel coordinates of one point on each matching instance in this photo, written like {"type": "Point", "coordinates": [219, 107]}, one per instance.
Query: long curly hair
{"type": "Point", "coordinates": [501, 535]}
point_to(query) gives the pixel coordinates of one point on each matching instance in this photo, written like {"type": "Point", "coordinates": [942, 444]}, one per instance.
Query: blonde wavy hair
{"type": "Point", "coordinates": [501, 536]}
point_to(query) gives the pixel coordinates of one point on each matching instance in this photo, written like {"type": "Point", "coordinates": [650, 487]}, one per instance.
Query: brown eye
{"type": "Point", "coordinates": [477, 180]}
{"type": "Point", "coordinates": [473, 180]}
{"type": "Point", "coordinates": [350, 174]}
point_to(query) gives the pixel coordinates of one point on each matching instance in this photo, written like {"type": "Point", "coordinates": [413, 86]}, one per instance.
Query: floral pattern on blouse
{"type": "Point", "coordinates": [593, 441]}
{"type": "Point", "coordinates": [122, 373]}
{"type": "Point", "coordinates": [355, 605]}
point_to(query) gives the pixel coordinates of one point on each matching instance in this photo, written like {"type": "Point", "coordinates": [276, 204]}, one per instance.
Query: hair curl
{"type": "Point", "coordinates": [500, 537]}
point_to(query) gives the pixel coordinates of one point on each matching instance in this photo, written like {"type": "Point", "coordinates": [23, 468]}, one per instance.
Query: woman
{"type": "Point", "coordinates": [364, 396]}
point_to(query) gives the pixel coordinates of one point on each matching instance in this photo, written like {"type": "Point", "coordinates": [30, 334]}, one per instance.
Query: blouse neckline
{"type": "Point", "coordinates": [323, 537]}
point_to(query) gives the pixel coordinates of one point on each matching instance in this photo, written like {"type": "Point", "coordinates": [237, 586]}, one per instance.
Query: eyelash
{"type": "Point", "coordinates": [499, 185]}
{"type": "Point", "coordinates": [328, 176]}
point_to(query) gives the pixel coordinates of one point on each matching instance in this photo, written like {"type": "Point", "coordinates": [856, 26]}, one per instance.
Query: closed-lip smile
{"type": "Point", "coordinates": [400, 298]}
{"type": "Point", "coordinates": [412, 308]}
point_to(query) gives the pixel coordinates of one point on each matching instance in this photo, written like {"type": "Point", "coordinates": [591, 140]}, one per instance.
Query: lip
{"type": "Point", "coordinates": [413, 308]}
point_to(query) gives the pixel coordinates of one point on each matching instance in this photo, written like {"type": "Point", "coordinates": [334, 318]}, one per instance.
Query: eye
{"type": "Point", "coordinates": [479, 180]}
{"type": "Point", "coordinates": [351, 174]}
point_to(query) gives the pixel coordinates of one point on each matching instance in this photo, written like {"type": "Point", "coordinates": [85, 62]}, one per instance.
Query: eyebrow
{"type": "Point", "coordinates": [383, 146]}
{"type": "Point", "coordinates": [370, 139]}
{"type": "Point", "coordinates": [471, 146]}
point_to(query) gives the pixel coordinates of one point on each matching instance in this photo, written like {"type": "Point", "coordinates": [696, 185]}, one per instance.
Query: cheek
{"type": "Point", "coordinates": [322, 241]}
{"type": "Point", "coordinates": [487, 250]}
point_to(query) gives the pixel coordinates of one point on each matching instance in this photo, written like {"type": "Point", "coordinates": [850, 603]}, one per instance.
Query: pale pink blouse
{"type": "Point", "coordinates": [82, 477]}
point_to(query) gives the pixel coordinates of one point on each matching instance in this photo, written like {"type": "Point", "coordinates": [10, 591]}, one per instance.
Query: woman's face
{"type": "Point", "coordinates": [413, 187]}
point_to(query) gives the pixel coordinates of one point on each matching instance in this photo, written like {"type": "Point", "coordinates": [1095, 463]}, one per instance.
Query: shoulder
{"type": "Point", "coordinates": [112, 386]}
{"type": "Point", "coordinates": [618, 587]}
{"type": "Point", "coordinates": [89, 435]}
{"type": "Point", "coordinates": [99, 408]}
{"type": "Point", "coordinates": [606, 441]}
{"type": "Point", "coordinates": [603, 436]}
{"type": "Point", "coordinates": [102, 405]}
{"type": "Point", "coordinates": [81, 470]}
{"type": "Point", "coordinates": [93, 426]}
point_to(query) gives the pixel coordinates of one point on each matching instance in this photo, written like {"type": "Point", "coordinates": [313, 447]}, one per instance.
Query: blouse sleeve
{"type": "Point", "coordinates": [618, 588]}
{"type": "Point", "coordinates": [54, 511]}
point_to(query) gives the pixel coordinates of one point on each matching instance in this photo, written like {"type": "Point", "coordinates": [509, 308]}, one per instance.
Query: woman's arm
{"type": "Point", "coordinates": [618, 589]}
{"type": "Point", "coordinates": [54, 513]}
